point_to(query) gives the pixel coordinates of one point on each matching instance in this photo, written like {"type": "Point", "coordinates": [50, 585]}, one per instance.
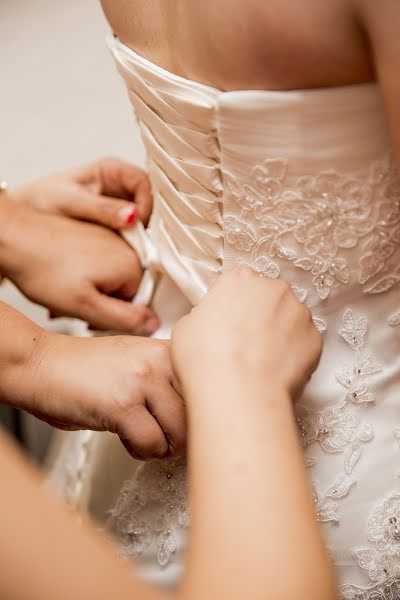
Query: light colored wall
{"type": "Point", "coordinates": [61, 104]}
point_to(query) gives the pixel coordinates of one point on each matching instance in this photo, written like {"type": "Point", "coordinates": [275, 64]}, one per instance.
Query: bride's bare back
{"type": "Point", "coordinates": [275, 45]}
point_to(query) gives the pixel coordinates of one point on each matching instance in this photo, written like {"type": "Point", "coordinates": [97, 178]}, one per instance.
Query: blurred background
{"type": "Point", "coordinates": [61, 104]}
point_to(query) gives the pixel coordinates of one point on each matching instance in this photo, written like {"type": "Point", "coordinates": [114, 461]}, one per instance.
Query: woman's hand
{"type": "Point", "coordinates": [120, 384]}
{"type": "Point", "coordinates": [252, 325]}
{"type": "Point", "coordinates": [109, 192]}
{"type": "Point", "coordinates": [241, 356]}
{"type": "Point", "coordinates": [75, 269]}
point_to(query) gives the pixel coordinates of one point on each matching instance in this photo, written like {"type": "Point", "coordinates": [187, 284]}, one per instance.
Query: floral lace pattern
{"type": "Point", "coordinates": [150, 509]}
{"type": "Point", "coordinates": [338, 428]}
{"type": "Point", "coordinates": [153, 507]}
{"type": "Point", "coordinates": [387, 590]}
{"type": "Point", "coordinates": [380, 561]}
{"type": "Point", "coordinates": [266, 268]}
{"type": "Point", "coordinates": [315, 221]}
{"type": "Point", "coordinates": [325, 504]}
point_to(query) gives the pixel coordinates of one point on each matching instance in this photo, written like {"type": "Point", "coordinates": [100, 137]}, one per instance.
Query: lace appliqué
{"type": "Point", "coordinates": [325, 504]}
{"type": "Point", "coordinates": [150, 510]}
{"type": "Point", "coordinates": [267, 268]}
{"type": "Point", "coordinates": [380, 561]}
{"type": "Point", "coordinates": [324, 217]}
{"type": "Point", "coordinates": [338, 428]}
{"type": "Point", "coordinates": [387, 590]}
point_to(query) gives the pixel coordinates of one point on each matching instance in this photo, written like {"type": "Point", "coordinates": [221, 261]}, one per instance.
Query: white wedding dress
{"type": "Point", "coordinates": [298, 184]}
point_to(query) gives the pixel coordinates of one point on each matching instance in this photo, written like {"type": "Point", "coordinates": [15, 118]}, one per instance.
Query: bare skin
{"type": "Point", "coordinates": [274, 45]}
{"type": "Point", "coordinates": [39, 540]}
{"type": "Point", "coordinates": [232, 44]}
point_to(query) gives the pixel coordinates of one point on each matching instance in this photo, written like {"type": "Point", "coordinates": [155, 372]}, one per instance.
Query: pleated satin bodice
{"type": "Point", "coordinates": [301, 185]}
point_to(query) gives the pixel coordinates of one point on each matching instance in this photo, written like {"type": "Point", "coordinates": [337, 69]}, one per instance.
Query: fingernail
{"type": "Point", "coordinates": [127, 215]}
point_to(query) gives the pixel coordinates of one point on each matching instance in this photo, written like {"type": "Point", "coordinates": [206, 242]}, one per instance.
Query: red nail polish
{"type": "Point", "coordinates": [132, 216]}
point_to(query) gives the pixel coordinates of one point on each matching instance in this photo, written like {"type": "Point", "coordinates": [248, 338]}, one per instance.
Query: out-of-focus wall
{"type": "Point", "coordinates": [61, 104]}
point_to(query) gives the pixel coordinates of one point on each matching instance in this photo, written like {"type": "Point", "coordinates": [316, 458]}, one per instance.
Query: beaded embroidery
{"type": "Point", "coordinates": [150, 510]}
{"type": "Point", "coordinates": [382, 560]}
{"type": "Point", "coordinates": [267, 268]}
{"type": "Point", "coordinates": [338, 428]}
{"type": "Point", "coordinates": [314, 222]}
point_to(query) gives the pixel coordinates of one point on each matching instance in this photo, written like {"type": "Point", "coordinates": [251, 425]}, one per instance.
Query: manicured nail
{"type": "Point", "coordinates": [127, 215]}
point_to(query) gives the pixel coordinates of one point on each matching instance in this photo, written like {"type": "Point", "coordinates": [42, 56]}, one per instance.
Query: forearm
{"type": "Point", "coordinates": [58, 557]}
{"type": "Point", "coordinates": [21, 342]}
{"type": "Point", "coordinates": [252, 512]}
{"type": "Point", "coordinates": [252, 506]}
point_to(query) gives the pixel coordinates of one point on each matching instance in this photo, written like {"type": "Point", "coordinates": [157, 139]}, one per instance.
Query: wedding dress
{"type": "Point", "coordinates": [297, 184]}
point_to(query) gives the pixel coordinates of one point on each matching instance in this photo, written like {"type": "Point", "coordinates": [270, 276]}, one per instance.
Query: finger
{"type": "Point", "coordinates": [127, 291]}
{"type": "Point", "coordinates": [110, 212]}
{"type": "Point", "coordinates": [119, 179]}
{"type": "Point", "coordinates": [122, 180]}
{"type": "Point", "coordinates": [108, 313]}
{"type": "Point", "coordinates": [116, 179]}
{"type": "Point", "coordinates": [142, 436]}
{"type": "Point", "coordinates": [170, 414]}
{"type": "Point", "coordinates": [144, 200]}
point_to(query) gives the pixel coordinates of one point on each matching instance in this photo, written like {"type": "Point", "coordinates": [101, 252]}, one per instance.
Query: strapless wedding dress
{"type": "Point", "coordinates": [299, 185]}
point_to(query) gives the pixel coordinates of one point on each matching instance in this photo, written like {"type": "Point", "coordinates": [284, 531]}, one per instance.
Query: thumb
{"type": "Point", "coordinates": [108, 313]}
{"type": "Point", "coordinates": [103, 210]}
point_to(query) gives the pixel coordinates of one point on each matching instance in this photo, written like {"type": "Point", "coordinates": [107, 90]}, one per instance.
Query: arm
{"type": "Point", "coordinates": [252, 507]}
{"type": "Point", "coordinates": [233, 553]}
{"type": "Point", "coordinates": [124, 385]}
{"type": "Point", "coordinates": [252, 504]}
{"type": "Point", "coordinates": [45, 553]}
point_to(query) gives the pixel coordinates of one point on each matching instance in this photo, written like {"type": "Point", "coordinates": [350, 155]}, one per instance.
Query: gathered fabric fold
{"type": "Point", "coordinates": [178, 126]}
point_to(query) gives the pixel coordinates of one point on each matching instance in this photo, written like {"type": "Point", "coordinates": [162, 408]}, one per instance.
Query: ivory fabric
{"type": "Point", "coordinates": [296, 184]}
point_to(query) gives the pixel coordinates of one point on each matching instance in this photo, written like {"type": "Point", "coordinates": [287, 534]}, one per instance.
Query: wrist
{"type": "Point", "coordinates": [23, 344]}
{"type": "Point", "coordinates": [7, 214]}
{"type": "Point", "coordinates": [59, 390]}
{"type": "Point", "coordinates": [221, 380]}
{"type": "Point", "coordinates": [22, 194]}
{"type": "Point", "coordinates": [11, 216]}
